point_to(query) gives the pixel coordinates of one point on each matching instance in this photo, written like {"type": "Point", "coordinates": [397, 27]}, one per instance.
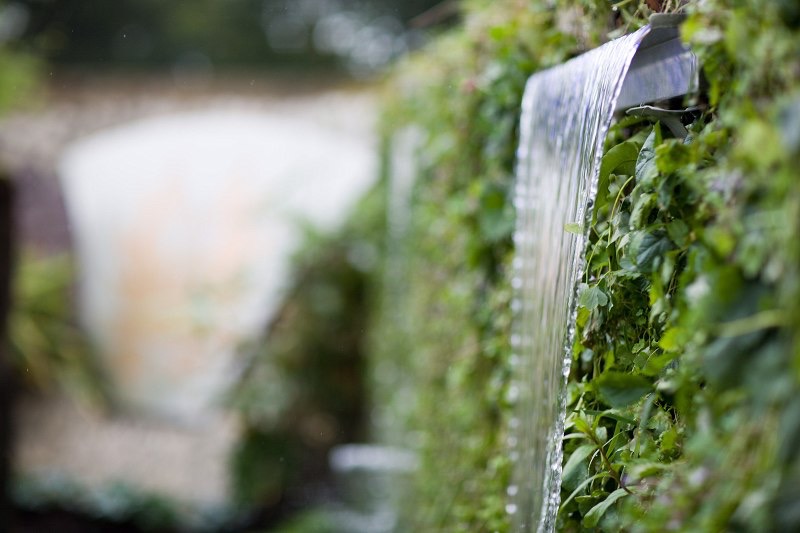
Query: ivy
{"type": "Point", "coordinates": [638, 244]}
{"type": "Point", "coordinates": [682, 411]}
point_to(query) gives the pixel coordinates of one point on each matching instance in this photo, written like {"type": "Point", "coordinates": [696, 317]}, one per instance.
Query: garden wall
{"type": "Point", "coordinates": [683, 409]}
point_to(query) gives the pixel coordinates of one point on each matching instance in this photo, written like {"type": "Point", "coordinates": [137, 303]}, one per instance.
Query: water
{"type": "Point", "coordinates": [372, 477]}
{"type": "Point", "coordinates": [566, 113]}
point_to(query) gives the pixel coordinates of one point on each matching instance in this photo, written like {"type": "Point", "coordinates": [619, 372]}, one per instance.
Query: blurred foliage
{"type": "Point", "coordinates": [313, 521]}
{"type": "Point", "coordinates": [464, 94]}
{"type": "Point", "coordinates": [304, 392]}
{"type": "Point", "coordinates": [683, 410]}
{"type": "Point", "coordinates": [116, 503]}
{"type": "Point", "coordinates": [202, 33]}
{"type": "Point", "coordinates": [19, 78]}
{"type": "Point", "coordinates": [47, 347]}
{"type": "Point", "coordinates": [20, 70]}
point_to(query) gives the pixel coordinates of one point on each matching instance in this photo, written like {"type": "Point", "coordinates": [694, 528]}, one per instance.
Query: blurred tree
{"type": "Point", "coordinates": [216, 32]}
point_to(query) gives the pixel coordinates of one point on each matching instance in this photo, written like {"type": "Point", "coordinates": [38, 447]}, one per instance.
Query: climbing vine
{"type": "Point", "coordinates": [682, 397]}
{"type": "Point", "coordinates": [682, 410]}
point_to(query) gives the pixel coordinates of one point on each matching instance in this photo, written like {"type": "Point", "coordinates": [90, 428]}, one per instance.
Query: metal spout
{"type": "Point", "coordinates": [662, 68]}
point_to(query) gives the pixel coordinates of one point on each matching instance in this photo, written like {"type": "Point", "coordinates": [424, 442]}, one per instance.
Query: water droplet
{"type": "Point", "coordinates": [511, 508]}
{"type": "Point", "coordinates": [512, 490]}
{"type": "Point", "coordinates": [513, 394]}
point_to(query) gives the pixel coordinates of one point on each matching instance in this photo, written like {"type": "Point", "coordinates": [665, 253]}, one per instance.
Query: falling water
{"type": "Point", "coordinates": [566, 113]}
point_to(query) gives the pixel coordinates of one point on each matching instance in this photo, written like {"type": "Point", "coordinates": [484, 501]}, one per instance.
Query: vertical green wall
{"type": "Point", "coordinates": [683, 398]}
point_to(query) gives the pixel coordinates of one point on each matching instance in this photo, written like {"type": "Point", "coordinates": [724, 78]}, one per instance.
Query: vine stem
{"type": "Point", "coordinates": [612, 472]}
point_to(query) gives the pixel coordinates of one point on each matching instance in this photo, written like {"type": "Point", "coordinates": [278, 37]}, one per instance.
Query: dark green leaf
{"type": "Point", "coordinates": [620, 389]}
{"type": "Point", "coordinates": [641, 210]}
{"type": "Point", "coordinates": [596, 513]}
{"type": "Point", "coordinates": [591, 297]}
{"type": "Point", "coordinates": [620, 159]}
{"type": "Point", "coordinates": [678, 232]}
{"type": "Point", "coordinates": [648, 248]}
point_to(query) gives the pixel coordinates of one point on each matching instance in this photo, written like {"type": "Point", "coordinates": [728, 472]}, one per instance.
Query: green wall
{"type": "Point", "coordinates": [685, 417]}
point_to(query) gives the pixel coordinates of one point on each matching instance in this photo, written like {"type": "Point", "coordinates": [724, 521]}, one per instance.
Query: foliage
{"type": "Point", "coordinates": [46, 345]}
{"type": "Point", "coordinates": [200, 34]}
{"type": "Point", "coordinates": [20, 71]}
{"type": "Point", "coordinates": [19, 78]}
{"type": "Point", "coordinates": [312, 521]}
{"type": "Point", "coordinates": [681, 401]}
{"type": "Point", "coordinates": [116, 503]}
{"type": "Point", "coordinates": [303, 392]}
{"type": "Point", "coordinates": [464, 94]}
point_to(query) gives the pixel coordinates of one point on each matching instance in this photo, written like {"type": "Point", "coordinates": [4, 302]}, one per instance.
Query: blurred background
{"type": "Point", "coordinates": [191, 223]}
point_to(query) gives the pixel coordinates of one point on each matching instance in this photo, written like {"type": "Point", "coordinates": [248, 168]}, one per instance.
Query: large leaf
{"type": "Point", "coordinates": [620, 389]}
{"type": "Point", "coordinates": [648, 248]}
{"type": "Point", "coordinates": [620, 159]}
{"type": "Point", "coordinates": [596, 513]}
{"type": "Point", "coordinates": [591, 297]}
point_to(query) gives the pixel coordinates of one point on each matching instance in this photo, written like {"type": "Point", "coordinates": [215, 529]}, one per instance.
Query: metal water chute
{"type": "Point", "coordinates": [662, 68]}
{"type": "Point", "coordinates": [566, 113]}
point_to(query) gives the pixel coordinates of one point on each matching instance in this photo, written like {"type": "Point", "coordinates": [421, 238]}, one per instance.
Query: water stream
{"type": "Point", "coordinates": [566, 113]}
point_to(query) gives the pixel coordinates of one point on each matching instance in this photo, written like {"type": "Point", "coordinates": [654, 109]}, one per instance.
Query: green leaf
{"type": "Point", "coordinates": [648, 249]}
{"type": "Point", "coordinates": [580, 487]}
{"type": "Point", "coordinates": [656, 364]}
{"type": "Point", "coordinates": [596, 513]}
{"type": "Point", "coordinates": [620, 389]}
{"type": "Point", "coordinates": [575, 469]}
{"type": "Point", "coordinates": [670, 441]}
{"type": "Point", "coordinates": [641, 470]}
{"type": "Point", "coordinates": [574, 228]}
{"type": "Point", "coordinates": [591, 297]}
{"type": "Point", "coordinates": [583, 426]}
{"type": "Point", "coordinates": [642, 209]}
{"type": "Point", "coordinates": [678, 231]}
{"type": "Point", "coordinates": [646, 170]}
{"type": "Point", "coordinates": [671, 340]}
{"type": "Point", "coordinates": [620, 159]}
